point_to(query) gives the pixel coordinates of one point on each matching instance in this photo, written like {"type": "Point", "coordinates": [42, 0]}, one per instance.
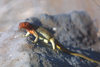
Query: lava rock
{"type": "Point", "coordinates": [75, 31]}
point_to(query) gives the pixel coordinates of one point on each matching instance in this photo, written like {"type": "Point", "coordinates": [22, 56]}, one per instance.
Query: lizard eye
{"type": "Point", "coordinates": [25, 24]}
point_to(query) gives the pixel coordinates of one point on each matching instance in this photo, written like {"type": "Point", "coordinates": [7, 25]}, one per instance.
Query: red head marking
{"type": "Point", "coordinates": [25, 25]}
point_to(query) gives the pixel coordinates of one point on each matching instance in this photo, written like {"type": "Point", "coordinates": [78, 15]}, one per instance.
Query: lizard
{"type": "Point", "coordinates": [48, 37]}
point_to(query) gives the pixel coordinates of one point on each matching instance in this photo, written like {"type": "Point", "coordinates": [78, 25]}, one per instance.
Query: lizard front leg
{"type": "Point", "coordinates": [27, 34]}
{"type": "Point", "coordinates": [35, 34]}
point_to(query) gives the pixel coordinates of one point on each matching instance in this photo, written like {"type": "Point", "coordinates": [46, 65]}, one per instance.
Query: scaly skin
{"type": "Point", "coordinates": [48, 37]}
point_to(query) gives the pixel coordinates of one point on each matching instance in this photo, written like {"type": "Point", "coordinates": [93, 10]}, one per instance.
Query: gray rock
{"type": "Point", "coordinates": [75, 31]}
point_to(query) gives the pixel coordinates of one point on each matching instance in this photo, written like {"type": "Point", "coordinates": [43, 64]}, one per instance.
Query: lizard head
{"type": "Point", "coordinates": [25, 25]}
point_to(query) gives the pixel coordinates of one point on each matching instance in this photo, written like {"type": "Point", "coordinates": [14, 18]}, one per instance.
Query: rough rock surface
{"type": "Point", "coordinates": [75, 31]}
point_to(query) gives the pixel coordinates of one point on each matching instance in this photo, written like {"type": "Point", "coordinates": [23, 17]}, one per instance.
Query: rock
{"type": "Point", "coordinates": [73, 30]}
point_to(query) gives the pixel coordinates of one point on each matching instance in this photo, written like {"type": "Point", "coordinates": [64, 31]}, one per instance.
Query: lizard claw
{"type": "Point", "coordinates": [34, 41]}
{"type": "Point", "coordinates": [56, 50]}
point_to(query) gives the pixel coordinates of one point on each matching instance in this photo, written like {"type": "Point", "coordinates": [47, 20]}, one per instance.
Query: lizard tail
{"type": "Point", "coordinates": [84, 57]}
{"type": "Point", "coordinates": [62, 48]}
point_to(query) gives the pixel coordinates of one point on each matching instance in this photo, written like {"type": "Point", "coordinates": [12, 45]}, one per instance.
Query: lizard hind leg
{"type": "Point", "coordinates": [53, 43]}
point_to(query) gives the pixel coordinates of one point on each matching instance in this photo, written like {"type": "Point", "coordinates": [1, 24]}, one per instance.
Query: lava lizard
{"type": "Point", "coordinates": [48, 37]}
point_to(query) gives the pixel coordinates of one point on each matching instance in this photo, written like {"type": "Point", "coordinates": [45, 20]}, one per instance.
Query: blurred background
{"type": "Point", "coordinates": [13, 52]}
{"type": "Point", "coordinates": [12, 11]}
